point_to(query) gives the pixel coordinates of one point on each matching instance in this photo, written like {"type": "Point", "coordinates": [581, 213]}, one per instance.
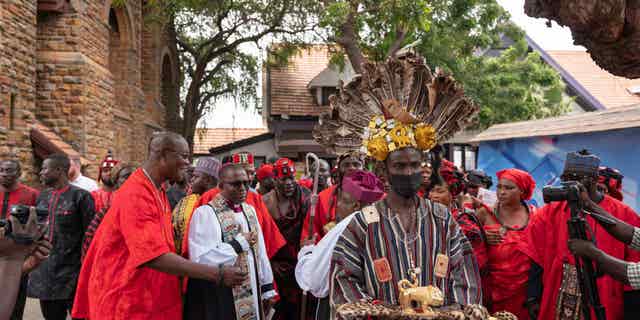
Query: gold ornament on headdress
{"type": "Point", "coordinates": [393, 105]}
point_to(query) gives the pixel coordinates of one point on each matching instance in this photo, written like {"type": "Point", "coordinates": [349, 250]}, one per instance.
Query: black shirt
{"type": "Point", "coordinates": [71, 210]}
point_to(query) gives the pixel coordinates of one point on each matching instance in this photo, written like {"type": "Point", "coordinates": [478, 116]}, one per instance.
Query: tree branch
{"type": "Point", "coordinates": [401, 34]}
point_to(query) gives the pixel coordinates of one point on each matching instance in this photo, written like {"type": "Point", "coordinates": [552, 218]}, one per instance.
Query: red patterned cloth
{"type": "Point", "coordinates": [522, 179]}
{"type": "Point", "coordinates": [452, 176]}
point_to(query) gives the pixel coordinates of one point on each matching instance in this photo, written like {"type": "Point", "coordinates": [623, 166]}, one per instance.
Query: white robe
{"type": "Point", "coordinates": [314, 262]}
{"type": "Point", "coordinates": [206, 246]}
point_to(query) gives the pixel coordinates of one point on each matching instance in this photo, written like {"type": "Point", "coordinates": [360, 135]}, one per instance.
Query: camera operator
{"type": "Point", "coordinates": [12, 192]}
{"type": "Point", "coordinates": [552, 283]}
{"type": "Point", "coordinates": [18, 250]}
{"type": "Point", "coordinates": [627, 272]}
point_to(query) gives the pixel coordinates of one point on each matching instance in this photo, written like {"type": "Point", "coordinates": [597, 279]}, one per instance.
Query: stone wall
{"type": "Point", "coordinates": [17, 82]}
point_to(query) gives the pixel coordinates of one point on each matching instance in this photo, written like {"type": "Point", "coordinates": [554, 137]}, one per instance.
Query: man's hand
{"type": "Point", "coordinates": [39, 254]}
{"type": "Point", "coordinates": [30, 230]}
{"type": "Point", "coordinates": [267, 304]}
{"type": "Point", "coordinates": [309, 241]}
{"type": "Point", "coordinates": [233, 276]}
{"type": "Point", "coordinates": [582, 248]}
{"type": "Point", "coordinates": [251, 237]}
{"type": "Point", "coordinates": [472, 201]}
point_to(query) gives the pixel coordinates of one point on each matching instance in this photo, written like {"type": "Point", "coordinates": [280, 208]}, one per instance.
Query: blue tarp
{"type": "Point", "coordinates": [544, 157]}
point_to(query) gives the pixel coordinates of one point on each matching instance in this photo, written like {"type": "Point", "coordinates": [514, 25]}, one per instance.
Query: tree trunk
{"type": "Point", "coordinates": [609, 29]}
{"type": "Point", "coordinates": [173, 121]}
{"type": "Point", "coordinates": [349, 42]}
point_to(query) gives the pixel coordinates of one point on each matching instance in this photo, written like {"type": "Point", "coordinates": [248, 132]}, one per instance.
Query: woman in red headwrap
{"type": "Point", "coordinates": [508, 267]}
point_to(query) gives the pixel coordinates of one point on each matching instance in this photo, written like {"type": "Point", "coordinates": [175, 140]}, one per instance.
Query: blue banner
{"type": "Point", "coordinates": [544, 157]}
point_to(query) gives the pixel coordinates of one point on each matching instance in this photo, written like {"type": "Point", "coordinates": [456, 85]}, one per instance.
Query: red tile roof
{"type": "Point", "coordinates": [610, 90]}
{"type": "Point", "coordinates": [289, 92]}
{"type": "Point", "coordinates": [206, 139]}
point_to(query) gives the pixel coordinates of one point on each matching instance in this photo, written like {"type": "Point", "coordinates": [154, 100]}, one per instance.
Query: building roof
{"type": "Point", "coordinates": [241, 143]}
{"type": "Point", "coordinates": [611, 91]}
{"type": "Point", "coordinates": [612, 119]}
{"type": "Point", "coordinates": [209, 138]}
{"type": "Point", "coordinates": [288, 86]}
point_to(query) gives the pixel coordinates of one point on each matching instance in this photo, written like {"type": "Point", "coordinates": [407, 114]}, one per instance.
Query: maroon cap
{"type": "Point", "coordinates": [364, 186]}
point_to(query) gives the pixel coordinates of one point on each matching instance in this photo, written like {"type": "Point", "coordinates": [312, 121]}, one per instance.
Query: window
{"type": "Point", "coordinates": [464, 156]}
{"type": "Point", "coordinates": [323, 94]}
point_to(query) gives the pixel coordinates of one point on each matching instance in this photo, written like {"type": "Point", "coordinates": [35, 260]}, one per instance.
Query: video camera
{"type": "Point", "coordinates": [566, 191]}
{"type": "Point", "coordinates": [21, 213]}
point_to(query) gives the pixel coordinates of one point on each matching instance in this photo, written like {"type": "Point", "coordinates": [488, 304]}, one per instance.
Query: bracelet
{"type": "Point", "coordinates": [220, 273]}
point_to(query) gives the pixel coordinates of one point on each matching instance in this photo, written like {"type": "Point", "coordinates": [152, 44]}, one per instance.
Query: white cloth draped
{"type": "Point", "coordinates": [314, 262]}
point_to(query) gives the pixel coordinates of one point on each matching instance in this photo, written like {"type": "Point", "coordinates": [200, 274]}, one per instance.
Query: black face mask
{"type": "Point", "coordinates": [404, 185]}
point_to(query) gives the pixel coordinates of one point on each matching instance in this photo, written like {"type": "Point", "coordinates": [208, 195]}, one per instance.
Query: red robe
{"type": "Point", "coordinates": [21, 195]}
{"type": "Point", "coordinates": [546, 244]}
{"type": "Point", "coordinates": [273, 239]}
{"type": "Point", "coordinates": [102, 199]}
{"type": "Point", "coordinates": [508, 272]}
{"type": "Point", "coordinates": [114, 283]}
{"type": "Point", "coordinates": [325, 213]}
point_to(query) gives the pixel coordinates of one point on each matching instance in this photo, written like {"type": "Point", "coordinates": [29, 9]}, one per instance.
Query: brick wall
{"type": "Point", "coordinates": [17, 82]}
{"type": "Point", "coordinates": [96, 88]}
{"type": "Point", "coordinates": [98, 79]}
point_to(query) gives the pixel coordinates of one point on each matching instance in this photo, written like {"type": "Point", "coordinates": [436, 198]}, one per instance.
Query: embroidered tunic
{"type": "Point", "coordinates": [215, 238]}
{"type": "Point", "coordinates": [373, 236]}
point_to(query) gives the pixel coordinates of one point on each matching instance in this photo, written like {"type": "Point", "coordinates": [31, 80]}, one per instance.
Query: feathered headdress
{"type": "Point", "coordinates": [391, 105]}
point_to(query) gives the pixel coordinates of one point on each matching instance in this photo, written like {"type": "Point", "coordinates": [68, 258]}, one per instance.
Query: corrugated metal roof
{"type": "Point", "coordinates": [617, 118]}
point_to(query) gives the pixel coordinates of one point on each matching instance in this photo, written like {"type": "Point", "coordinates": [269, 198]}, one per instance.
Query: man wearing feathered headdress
{"type": "Point", "coordinates": [393, 112]}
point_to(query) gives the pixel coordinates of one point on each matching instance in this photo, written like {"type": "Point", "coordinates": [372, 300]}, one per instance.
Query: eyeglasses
{"type": "Point", "coordinates": [237, 184]}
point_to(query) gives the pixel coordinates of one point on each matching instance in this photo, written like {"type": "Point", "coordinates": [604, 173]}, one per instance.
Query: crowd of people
{"type": "Point", "coordinates": [222, 239]}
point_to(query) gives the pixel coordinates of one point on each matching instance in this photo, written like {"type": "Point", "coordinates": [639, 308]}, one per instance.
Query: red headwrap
{"type": "Point", "coordinates": [107, 164]}
{"type": "Point", "coordinates": [522, 179]}
{"type": "Point", "coordinates": [612, 179]}
{"type": "Point", "coordinates": [284, 168]}
{"type": "Point", "coordinates": [265, 171]}
{"type": "Point", "coordinates": [451, 176]}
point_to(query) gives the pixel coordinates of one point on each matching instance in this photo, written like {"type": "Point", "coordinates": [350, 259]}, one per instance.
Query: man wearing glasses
{"type": "Point", "coordinates": [225, 233]}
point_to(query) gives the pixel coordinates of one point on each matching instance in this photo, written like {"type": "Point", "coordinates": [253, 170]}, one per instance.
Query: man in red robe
{"type": "Point", "coordinates": [327, 199]}
{"type": "Point", "coordinates": [131, 270]}
{"type": "Point", "coordinates": [102, 196]}
{"type": "Point", "coordinates": [552, 279]}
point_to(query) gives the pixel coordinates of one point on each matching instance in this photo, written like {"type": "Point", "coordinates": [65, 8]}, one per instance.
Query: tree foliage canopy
{"type": "Point", "coordinates": [455, 35]}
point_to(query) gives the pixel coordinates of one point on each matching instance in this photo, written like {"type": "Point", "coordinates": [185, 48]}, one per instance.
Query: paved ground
{"type": "Point", "coordinates": [32, 311]}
